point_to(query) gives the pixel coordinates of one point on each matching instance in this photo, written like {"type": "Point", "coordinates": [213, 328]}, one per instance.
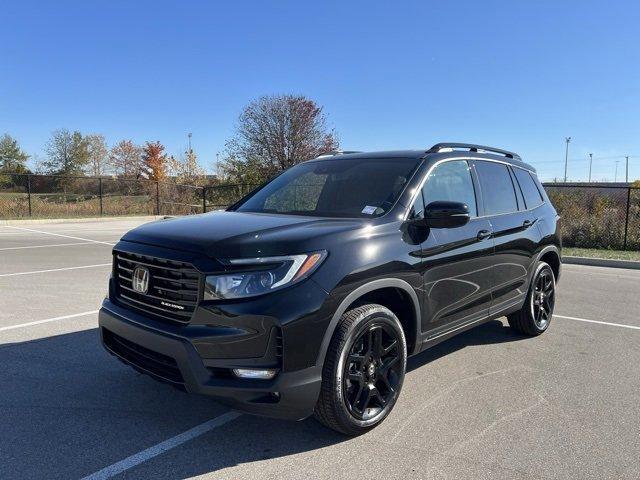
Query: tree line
{"type": "Point", "coordinates": [272, 134]}
{"type": "Point", "coordinates": [74, 154]}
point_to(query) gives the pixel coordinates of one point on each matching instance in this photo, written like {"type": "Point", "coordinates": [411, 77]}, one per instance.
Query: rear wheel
{"type": "Point", "coordinates": [363, 371]}
{"type": "Point", "coordinates": [536, 313]}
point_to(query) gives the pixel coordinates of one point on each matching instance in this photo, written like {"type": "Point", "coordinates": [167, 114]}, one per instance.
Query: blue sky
{"type": "Point", "coordinates": [519, 75]}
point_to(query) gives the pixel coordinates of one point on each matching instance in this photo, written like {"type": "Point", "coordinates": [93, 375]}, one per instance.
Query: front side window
{"type": "Point", "coordinates": [340, 187]}
{"type": "Point", "coordinates": [451, 181]}
{"type": "Point", "coordinates": [497, 188]}
{"type": "Point", "coordinates": [531, 193]}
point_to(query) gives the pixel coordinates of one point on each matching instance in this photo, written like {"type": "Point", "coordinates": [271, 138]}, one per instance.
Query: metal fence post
{"type": "Point", "coordinates": [100, 193]}
{"type": "Point", "coordinates": [626, 219]}
{"type": "Point", "coordinates": [157, 197]}
{"type": "Point", "coordinates": [204, 199]}
{"type": "Point", "coordinates": [29, 192]}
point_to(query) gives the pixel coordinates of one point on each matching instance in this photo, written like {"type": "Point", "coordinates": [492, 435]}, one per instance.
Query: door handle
{"type": "Point", "coordinates": [482, 234]}
{"type": "Point", "coordinates": [527, 223]}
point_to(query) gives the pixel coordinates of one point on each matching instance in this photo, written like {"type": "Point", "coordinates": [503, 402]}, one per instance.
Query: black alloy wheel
{"type": "Point", "coordinates": [535, 315]}
{"type": "Point", "coordinates": [372, 371]}
{"type": "Point", "coordinates": [543, 298]}
{"type": "Point", "coordinates": [363, 370]}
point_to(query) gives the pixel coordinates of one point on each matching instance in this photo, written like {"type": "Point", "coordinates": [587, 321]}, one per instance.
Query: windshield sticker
{"type": "Point", "coordinates": [369, 210]}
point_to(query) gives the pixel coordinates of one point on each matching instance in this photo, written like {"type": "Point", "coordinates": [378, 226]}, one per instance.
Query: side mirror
{"type": "Point", "coordinates": [444, 214]}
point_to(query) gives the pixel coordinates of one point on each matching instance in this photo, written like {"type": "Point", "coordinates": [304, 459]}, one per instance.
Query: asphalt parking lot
{"type": "Point", "coordinates": [486, 404]}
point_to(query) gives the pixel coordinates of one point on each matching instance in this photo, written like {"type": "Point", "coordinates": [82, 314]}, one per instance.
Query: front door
{"type": "Point", "coordinates": [457, 261]}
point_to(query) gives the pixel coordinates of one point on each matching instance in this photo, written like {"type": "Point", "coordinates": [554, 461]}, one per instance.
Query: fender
{"type": "Point", "coordinates": [538, 256]}
{"type": "Point", "coordinates": [556, 250]}
{"type": "Point", "coordinates": [359, 292]}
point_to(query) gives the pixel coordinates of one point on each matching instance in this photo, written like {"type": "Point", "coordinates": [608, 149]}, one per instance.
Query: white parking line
{"type": "Point", "coordinates": [608, 273]}
{"type": "Point", "coordinates": [160, 448]}
{"type": "Point", "coordinates": [59, 235]}
{"type": "Point", "coordinates": [118, 229]}
{"type": "Point", "coordinates": [622, 325]}
{"type": "Point", "coordinates": [44, 246]}
{"type": "Point", "coordinates": [54, 270]}
{"type": "Point", "coordinates": [47, 320]}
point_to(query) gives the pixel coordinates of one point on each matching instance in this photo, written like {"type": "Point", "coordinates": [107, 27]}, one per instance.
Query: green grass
{"type": "Point", "coordinates": [597, 253]}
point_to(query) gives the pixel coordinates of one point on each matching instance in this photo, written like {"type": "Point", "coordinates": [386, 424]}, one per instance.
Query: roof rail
{"type": "Point", "coordinates": [337, 152]}
{"type": "Point", "coordinates": [473, 148]}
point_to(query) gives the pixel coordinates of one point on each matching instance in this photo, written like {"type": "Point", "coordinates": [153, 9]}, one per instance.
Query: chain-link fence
{"type": "Point", "coordinates": [221, 196]}
{"type": "Point", "coordinates": [14, 199]}
{"type": "Point", "coordinates": [593, 216]}
{"type": "Point", "coordinates": [597, 216]}
{"type": "Point", "coordinates": [53, 196]}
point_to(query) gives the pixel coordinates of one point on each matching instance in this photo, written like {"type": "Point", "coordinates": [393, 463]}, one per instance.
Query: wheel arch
{"type": "Point", "coordinates": [377, 291]}
{"type": "Point", "coordinates": [551, 255]}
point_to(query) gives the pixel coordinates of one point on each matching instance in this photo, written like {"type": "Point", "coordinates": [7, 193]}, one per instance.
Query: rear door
{"type": "Point", "coordinates": [457, 278]}
{"type": "Point", "coordinates": [514, 232]}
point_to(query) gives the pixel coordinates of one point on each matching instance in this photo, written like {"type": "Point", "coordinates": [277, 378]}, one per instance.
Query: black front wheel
{"type": "Point", "coordinates": [364, 370]}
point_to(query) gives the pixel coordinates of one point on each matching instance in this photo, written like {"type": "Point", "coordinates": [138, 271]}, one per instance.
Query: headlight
{"type": "Point", "coordinates": [255, 276]}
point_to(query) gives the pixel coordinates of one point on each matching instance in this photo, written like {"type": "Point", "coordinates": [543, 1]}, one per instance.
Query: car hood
{"type": "Point", "coordinates": [242, 234]}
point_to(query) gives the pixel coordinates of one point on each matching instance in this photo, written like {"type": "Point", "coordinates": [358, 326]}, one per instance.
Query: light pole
{"type": "Point", "coordinates": [626, 170]}
{"type": "Point", "coordinates": [615, 178]}
{"type": "Point", "coordinates": [566, 158]}
{"type": "Point", "coordinates": [590, 163]}
{"type": "Point", "coordinates": [189, 135]}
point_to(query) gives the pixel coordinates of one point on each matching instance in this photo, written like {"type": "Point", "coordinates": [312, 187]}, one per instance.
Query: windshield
{"type": "Point", "coordinates": [362, 187]}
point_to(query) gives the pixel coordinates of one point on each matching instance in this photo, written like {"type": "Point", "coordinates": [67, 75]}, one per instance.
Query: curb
{"type": "Point", "coordinates": [601, 262]}
{"type": "Point", "coordinates": [35, 221]}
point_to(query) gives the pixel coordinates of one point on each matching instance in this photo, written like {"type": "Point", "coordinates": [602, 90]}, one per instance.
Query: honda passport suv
{"type": "Point", "coordinates": [307, 296]}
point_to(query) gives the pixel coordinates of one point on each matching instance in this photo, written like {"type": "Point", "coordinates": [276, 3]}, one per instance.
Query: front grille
{"type": "Point", "coordinates": [143, 359]}
{"type": "Point", "coordinates": [172, 292]}
{"type": "Point", "coordinates": [279, 345]}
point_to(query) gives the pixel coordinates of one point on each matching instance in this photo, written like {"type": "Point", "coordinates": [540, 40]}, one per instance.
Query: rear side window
{"type": "Point", "coordinates": [497, 188]}
{"type": "Point", "coordinates": [529, 189]}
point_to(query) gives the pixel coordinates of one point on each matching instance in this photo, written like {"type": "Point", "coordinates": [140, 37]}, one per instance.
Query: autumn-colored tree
{"type": "Point", "coordinates": [155, 160]}
{"type": "Point", "coordinates": [274, 133]}
{"type": "Point", "coordinates": [126, 158]}
{"type": "Point", "coordinates": [67, 153]}
{"type": "Point", "coordinates": [99, 162]}
{"type": "Point", "coordinates": [187, 170]}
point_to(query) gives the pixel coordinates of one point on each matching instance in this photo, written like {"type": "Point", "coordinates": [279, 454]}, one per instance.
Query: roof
{"type": "Point", "coordinates": [437, 155]}
{"type": "Point", "coordinates": [417, 154]}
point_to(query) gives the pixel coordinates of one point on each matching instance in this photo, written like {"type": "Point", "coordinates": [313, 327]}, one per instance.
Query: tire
{"type": "Point", "coordinates": [535, 315]}
{"type": "Point", "coordinates": [363, 370]}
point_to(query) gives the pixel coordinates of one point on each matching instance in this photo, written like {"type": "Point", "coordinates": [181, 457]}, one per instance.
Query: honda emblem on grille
{"type": "Point", "coordinates": [140, 280]}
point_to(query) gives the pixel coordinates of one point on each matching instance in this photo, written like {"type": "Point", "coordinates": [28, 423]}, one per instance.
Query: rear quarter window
{"type": "Point", "coordinates": [532, 195]}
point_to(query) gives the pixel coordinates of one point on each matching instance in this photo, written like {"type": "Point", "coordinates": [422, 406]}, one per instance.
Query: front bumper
{"type": "Point", "coordinates": [170, 357]}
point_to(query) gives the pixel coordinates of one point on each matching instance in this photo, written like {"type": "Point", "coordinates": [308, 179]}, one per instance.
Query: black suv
{"type": "Point", "coordinates": [307, 296]}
